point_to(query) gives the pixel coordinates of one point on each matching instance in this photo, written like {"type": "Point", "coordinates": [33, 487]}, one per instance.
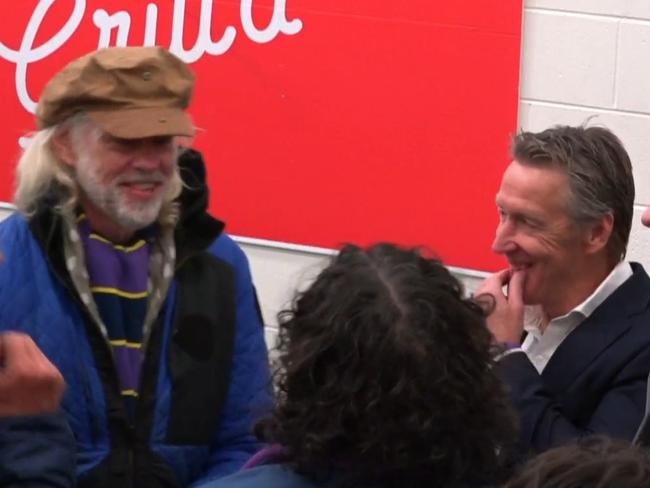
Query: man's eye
{"type": "Point", "coordinates": [531, 223]}
{"type": "Point", "coordinates": [124, 143]}
{"type": "Point", "coordinates": [162, 140]}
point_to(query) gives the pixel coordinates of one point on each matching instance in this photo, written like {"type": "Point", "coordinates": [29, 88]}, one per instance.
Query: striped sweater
{"type": "Point", "coordinates": [118, 277]}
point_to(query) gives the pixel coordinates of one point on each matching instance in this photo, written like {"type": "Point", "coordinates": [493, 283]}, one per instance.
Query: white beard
{"type": "Point", "coordinates": [112, 201]}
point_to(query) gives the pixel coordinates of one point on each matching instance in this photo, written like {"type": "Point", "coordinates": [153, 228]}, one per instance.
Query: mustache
{"type": "Point", "coordinates": [139, 176]}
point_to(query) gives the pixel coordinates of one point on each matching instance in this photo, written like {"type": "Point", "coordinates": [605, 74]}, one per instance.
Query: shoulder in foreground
{"type": "Point", "coordinates": [14, 234]}
{"type": "Point", "coordinates": [227, 249]}
{"type": "Point", "coordinates": [16, 219]}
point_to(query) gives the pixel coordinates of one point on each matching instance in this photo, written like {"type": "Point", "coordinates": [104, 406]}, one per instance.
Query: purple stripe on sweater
{"type": "Point", "coordinates": [112, 268]}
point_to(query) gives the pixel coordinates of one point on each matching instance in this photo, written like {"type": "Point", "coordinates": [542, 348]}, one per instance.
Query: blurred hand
{"type": "Point", "coordinates": [29, 383]}
{"type": "Point", "coordinates": [506, 320]}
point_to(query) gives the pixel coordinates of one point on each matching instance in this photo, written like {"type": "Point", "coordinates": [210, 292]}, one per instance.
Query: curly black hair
{"type": "Point", "coordinates": [591, 462]}
{"type": "Point", "coordinates": [385, 373]}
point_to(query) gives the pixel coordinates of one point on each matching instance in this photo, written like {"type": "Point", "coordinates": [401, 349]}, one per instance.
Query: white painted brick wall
{"type": "Point", "coordinates": [568, 58]}
{"type": "Point", "coordinates": [580, 58]}
{"type": "Point", "coordinates": [632, 73]}
{"type": "Point", "coordinates": [639, 9]}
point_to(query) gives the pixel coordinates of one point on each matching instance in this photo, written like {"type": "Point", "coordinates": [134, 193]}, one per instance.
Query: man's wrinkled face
{"type": "Point", "coordinates": [126, 179]}
{"type": "Point", "coordinates": [535, 233]}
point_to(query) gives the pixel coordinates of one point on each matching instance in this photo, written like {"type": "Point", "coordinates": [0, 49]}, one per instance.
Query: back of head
{"type": "Point", "coordinates": [385, 374]}
{"type": "Point", "coordinates": [596, 462]}
{"type": "Point", "coordinates": [599, 172]}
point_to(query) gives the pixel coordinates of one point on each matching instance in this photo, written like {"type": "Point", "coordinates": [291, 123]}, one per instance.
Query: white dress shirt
{"type": "Point", "coordinates": [540, 347]}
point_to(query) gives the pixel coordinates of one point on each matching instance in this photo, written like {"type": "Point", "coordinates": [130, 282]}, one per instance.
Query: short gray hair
{"type": "Point", "coordinates": [599, 171]}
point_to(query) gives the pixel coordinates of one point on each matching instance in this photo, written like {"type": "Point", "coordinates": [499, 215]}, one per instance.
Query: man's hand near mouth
{"type": "Point", "coordinates": [506, 317]}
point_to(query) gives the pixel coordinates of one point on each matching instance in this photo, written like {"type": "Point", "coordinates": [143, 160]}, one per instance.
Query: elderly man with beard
{"type": "Point", "coordinates": [565, 206]}
{"type": "Point", "coordinates": [127, 284]}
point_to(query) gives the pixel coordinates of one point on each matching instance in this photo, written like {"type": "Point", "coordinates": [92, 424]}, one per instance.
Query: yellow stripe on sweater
{"type": "Point", "coordinates": [119, 293]}
{"type": "Point", "coordinates": [124, 343]}
{"type": "Point", "coordinates": [131, 248]}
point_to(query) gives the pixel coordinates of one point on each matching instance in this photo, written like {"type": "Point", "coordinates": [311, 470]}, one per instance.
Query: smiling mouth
{"type": "Point", "coordinates": [141, 189]}
{"type": "Point", "coordinates": [144, 186]}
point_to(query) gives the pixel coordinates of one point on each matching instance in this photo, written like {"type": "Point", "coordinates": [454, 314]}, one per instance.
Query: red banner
{"type": "Point", "coordinates": [322, 122]}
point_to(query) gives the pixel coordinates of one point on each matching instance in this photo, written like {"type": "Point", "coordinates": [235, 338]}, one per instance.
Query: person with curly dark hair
{"type": "Point", "coordinates": [385, 379]}
{"type": "Point", "coordinates": [591, 462]}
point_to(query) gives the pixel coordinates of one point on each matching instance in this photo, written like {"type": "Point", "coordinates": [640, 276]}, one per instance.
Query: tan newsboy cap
{"type": "Point", "coordinates": [130, 92]}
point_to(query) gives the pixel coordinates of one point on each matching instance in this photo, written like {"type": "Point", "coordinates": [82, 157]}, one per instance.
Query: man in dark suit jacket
{"type": "Point", "coordinates": [565, 206]}
{"type": "Point", "coordinates": [642, 436]}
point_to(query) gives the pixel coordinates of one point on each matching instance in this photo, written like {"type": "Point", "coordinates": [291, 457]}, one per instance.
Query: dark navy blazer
{"type": "Point", "coordinates": [595, 382]}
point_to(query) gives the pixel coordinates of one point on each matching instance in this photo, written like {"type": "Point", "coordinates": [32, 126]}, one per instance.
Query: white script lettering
{"type": "Point", "coordinates": [106, 23]}
{"type": "Point", "coordinates": [27, 54]}
{"type": "Point", "coordinates": [120, 21]}
{"type": "Point", "coordinates": [279, 22]}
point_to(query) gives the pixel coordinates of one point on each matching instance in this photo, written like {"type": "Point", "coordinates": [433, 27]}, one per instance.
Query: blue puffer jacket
{"type": "Point", "coordinates": [205, 375]}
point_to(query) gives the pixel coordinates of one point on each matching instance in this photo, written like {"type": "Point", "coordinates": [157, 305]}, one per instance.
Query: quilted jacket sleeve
{"type": "Point", "coordinates": [249, 395]}
{"type": "Point", "coordinates": [36, 451]}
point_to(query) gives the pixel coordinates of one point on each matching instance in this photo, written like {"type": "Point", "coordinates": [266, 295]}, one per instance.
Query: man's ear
{"type": "Point", "coordinates": [598, 234]}
{"type": "Point", "coordinates": [63, 147]}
